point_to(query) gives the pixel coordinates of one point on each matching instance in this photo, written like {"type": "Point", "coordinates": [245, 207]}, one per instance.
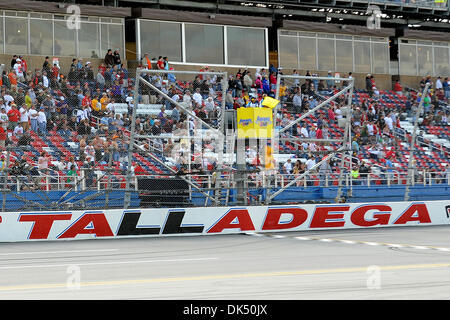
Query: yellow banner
{"type": "Point", "coordinates": [263, 120]}
{"type": "Point", "coordinates": [245, 123]}
{"type": "Point", "coordinates": [270, 102]}
{"type": "Point", "coordinates": [254, 123]}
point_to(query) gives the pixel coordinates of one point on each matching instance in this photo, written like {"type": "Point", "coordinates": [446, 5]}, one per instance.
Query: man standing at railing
{"type": "Point", "coordinates": [446, 87]}
{"type": "Point", "coordinates": [42, 121]}
{"type": "Point", "coordinates": [364, 174]}
{"type": "Point", "coordinates": [389, 169]}
{"type": "Point", "coordinates": [324, 172]}
{"type": "Point", "coordinates": [71, 175]}
{"type": "Point", "coordinates": [355, 175]}
{"type": "Point", "coordinates": [446, 174]}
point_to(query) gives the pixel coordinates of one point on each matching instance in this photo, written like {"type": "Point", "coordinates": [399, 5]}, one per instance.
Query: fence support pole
{"type": "Point", "coordinates": [413, 144]}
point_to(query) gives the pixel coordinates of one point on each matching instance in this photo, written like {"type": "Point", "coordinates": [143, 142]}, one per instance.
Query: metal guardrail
{"type": "Point", "coordinates": [206, 182]}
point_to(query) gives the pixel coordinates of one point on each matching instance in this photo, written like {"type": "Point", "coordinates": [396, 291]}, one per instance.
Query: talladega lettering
{"type": "Point", "coordinates": [326, 216]}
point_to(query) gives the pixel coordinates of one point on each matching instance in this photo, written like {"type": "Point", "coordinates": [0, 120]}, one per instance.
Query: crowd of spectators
{"type": "Point", "coordinates": [77, 105]}
{"type": "Point", "coordinates": [80, 106]}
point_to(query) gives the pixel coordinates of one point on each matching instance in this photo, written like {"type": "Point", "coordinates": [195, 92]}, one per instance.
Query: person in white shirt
{"type": "Point", "coordinates": [42, 122]}
{"type": "Point", "coordinates": [288, 166]}
{"type": "Point", "coordinates": [24, 116]}
{"type": "Point", "coordinates": [109, 107]}
{"type": "Point", "coordinates": [210, 107]}
{"type": "Point", "coordinates": [438, 83]}
{"type": "Point", "coordinates": [4, 118]}
{"type": "Point", "coordinates": [197, 96]}
{"type": "Point", "coordinates": [89, 151]}
{"type": "Point", "coordinates": [43, 161]}
{"type": "Point", "coordinates": [297, 102]}
{"type": "Point", "coordinates": [338, 113]}
{"type": "Point", "coordinates": [370, 128]}
{"type": "Point", "coordinates": [187, 98]}
{"type": "Point", "coordinates": [393, 116]}
{"type": "Point", "coordinates": [311, 162]}
{"type": "Point", "coordinates": [212, 79]}
{"type": "Point", "coordinates": [80, 115]}
{"type": "Point", "coordinates": [303, 131]}
{"type": "Point", "coordinates": [32, 95]}
{"type": "Point", "coordinates": [130, 100]}
{"type": "Point", "coordinates": [389, 122]}
{"type": "Point", "coordinates": [18, 131]}
{"type": "Point", "coordinates": [45, 81]}
{"type": "Point", "coordinates": [87, 112]}
{"type": "Point", "coordinates": [258, 73]}
{"type": "Point", "coordinates": [8, 100]}
{"type": "Point", "coordinates": [18, 68]}
{"type": "Point", "coordinates": [312, 146]}
{"type": "Point", "coordinates": [176, 97]}
{"type": "Point", "coordinates": [33, 115]}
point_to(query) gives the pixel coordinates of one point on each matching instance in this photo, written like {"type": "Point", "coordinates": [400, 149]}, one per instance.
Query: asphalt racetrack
{"type": "Point", "coordinates": [384, 263]}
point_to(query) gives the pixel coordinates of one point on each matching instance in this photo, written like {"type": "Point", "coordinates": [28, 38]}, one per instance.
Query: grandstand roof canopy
{"type": "Point", "coordinates": [422, 14]}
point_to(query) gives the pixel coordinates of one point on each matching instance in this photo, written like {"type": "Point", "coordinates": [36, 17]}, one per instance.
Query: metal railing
{"type": "Point", "coordinates": [262, 179]}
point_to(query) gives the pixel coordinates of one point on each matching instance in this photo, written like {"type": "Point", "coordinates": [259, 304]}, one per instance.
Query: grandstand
{"type": "Point", "coordinates": [138, 106]}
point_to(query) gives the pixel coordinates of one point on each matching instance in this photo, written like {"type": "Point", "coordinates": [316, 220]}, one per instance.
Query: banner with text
{"type": "Point", "coordinates": [70, 225]}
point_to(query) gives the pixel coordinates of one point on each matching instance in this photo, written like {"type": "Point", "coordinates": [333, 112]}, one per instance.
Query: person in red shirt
{"type": "Point", "coordinates": [102, 69]}
{"type": "Point", "coordinates": [87, 101]}
{"type": "Point", "coordinates": [205, 69]}
{"type": "Point", "coordinates": [331, 115]}
{"type": "Point", "coordinates": [398, 88]}
{"type": "Point", "coordinates": [319, 132]}
{"type": "Point", "coordinates": [13, 117]}
{"type": "Point", "coordinates": [55, 71]}
{"type": "Point", "coordinates": [2, 137]}
{"type": "Point", "coordinates": [160, 63]}
{"type": "Point", "coordinates": [24, 64]}
{"type": "Point", "coordinates": [273, 80]}
{"type": "Point", "coordinates": [138, 170]}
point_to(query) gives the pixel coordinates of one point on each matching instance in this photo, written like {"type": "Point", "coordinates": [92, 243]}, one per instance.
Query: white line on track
{"type": "Point", "coordinates": [369, 243]}
{"type": "Point", "coordinates": [347, 241]}
{"type": "Point", "coordinates": [302, 238]}
{"type": "Point", "coordinates": [104, 263]}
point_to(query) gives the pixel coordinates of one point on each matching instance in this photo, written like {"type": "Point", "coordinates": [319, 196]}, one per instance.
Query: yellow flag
{"type": "Point", "coordinates": [270, 102]}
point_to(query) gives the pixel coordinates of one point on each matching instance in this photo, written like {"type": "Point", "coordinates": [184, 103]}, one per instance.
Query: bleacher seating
{"type": "Point", "coordinates": [63, 146]}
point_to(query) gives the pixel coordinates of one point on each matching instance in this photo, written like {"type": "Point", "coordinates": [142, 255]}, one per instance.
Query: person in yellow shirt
{"type": "Point", "coordinates": [269, 160]}
{"type": "Point", "coordinates": [104, 101]}
{"type": "Point", "coordinates": [95, 106]}
{"type": "Point", "coordinates": [245, 96]}
{"type": "Point", "coordinates": [28, 100]}
{"type": "Point", "coordinates": [283, 89]}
